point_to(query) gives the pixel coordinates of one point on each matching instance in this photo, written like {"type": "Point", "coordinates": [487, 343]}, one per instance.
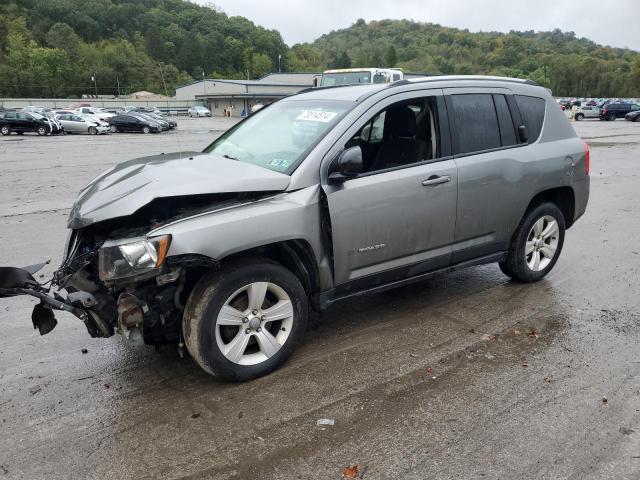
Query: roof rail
{"type": "Point", "coordinates": [460, 78]}
{"type": "Point", "coordinates": [313, 89]}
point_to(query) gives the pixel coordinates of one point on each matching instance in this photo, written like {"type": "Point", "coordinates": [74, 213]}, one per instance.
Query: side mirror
{"type": "Point", "coordinates": [522, 134]}
{"type": "Point", "coordinates": [348, 165]}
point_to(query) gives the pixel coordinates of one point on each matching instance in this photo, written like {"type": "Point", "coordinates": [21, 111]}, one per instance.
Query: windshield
{"type": "Point", "coordinates": [346, 78]}
{"type": "Point", "coordinates": [278, 137]}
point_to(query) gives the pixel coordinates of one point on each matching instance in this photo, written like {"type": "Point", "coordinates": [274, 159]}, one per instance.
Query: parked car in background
{"type": "Point", "coordinates": [153, 110]}
{"type": "Point", "coordinates": [99, 113]}
{"type": "Point", "coordinates": [612, 111]}
{"type": "Point", "coordinates": [633, 116]}
{"type": "Point", "coordinates": [24, 122]}
{"type": "Point", "coordinates": [132, 123]}
{"type": "Point", "coordinates": [145, 116]}
{"type": "Point", "coordinates": [584, 111]}
{"type": "Point", "coordinates": [162, 120]}
{"type": "Point", "coordinates": [75, 123]}
{"type": "Point", "coordinates": [199, 111]}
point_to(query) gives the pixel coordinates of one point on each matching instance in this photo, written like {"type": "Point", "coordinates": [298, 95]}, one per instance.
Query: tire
{"type": "Point", "coordinates": [4, 130]}
{"type": "Point", "coordinates": [520, 266]}
{"type": "Point", "coordinates": [42, 131]}
{"type": "Point", "coordinates": [93, 130]}
{"type": "Point", "coordinates": [114, 129]}
{"type": "Point", "coordinates": [579, 117]}
{"type": "Point", "coordinates": [205, 338]}
{"type": "Point", "coordinates": [637, 118]}
{"type": "Point", "coordinates": [146, 129]}
{"type": "Point", "coordinates": [611, 117]}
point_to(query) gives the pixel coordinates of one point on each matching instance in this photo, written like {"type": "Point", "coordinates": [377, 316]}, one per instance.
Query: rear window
{"type": "Point", "coordinates": [532, 112]}
{"type": "Point", "coordinates": [475, 123]}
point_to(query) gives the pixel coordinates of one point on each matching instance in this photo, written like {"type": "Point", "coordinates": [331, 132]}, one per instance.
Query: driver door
{"type": "Point", "coordinates": [395, 222]}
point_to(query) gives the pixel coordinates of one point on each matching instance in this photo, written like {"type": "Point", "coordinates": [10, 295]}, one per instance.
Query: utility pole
{"type": "Point", "coordinates": [95, 85]}
{"type": "Point", "coordinates": [163, 82]}
{"type": "Point", "coordinates": [279, 63]}
{"type": "Point", "coordinates": [204, 84]}
{"type": "Point", "coordinates": [118, 80]}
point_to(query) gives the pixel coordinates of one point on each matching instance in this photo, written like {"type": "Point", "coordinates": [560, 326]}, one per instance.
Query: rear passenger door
{"type": "Point", "coordinates": [485, 143]}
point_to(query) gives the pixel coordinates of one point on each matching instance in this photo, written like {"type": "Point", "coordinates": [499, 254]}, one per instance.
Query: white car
{"type": "Point", "coordinates": [95, 112]}
{"type": "Point", "coordinates": [199, 111]}
{"type": "Point", "coordinates": [584, 111]}
{"type": "Point", "coordinates": [77, 123]}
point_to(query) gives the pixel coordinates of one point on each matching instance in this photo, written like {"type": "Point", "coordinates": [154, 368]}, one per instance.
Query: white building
{"type": "Point", "coordinates": [238, 96]}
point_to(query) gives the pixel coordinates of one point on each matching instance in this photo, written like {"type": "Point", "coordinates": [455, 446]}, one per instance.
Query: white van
{"type": "Point", "coordinates": [355, 76]}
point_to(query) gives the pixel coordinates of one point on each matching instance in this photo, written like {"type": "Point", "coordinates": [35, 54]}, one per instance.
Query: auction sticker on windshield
{"type": "Point", "coordinates": [316, 116]}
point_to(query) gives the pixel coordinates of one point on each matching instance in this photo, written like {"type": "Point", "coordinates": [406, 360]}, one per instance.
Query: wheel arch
{"type": "Point", "coordinates": [296, 255]}
{"type": "Point", "coordinates": [563, 197]}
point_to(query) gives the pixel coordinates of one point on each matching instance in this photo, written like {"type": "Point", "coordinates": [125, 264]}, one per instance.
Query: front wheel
{"type": "Point", "coordinates": [579, 117]}
{"type": "Point", "coordinates": [536, 244]}
{"type": "Point", "coordinates": [245, 321]}
{"type": "Point", "coordinates": [114, 129]}
{"type": "Point", "coordinates": [146, 130]}
{"type": "Point", "coordinates": [41, 131]}
{"type": "Point", "coordinates": [93, 130]}
{"type": "Point", "coordinates": [611, 117]}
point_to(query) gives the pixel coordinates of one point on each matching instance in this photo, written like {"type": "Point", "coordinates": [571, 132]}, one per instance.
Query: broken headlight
{"type": "Point", "coordinates": [132, 256]}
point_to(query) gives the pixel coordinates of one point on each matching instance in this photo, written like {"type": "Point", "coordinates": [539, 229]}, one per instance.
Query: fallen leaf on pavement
{"type": "Point", "coordinates": [429, 370]}
{"type": "Point", "coordinates": [533, 333]}
{"type": "Point", "coordinates": [350, 472]}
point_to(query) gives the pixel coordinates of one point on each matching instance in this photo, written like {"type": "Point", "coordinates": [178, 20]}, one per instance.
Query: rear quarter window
{"type": "Point", "coordinates": [532, 112]}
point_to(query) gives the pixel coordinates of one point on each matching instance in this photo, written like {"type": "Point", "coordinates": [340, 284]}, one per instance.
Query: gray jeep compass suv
{"type": "Point", "coordinates": [321, 196]}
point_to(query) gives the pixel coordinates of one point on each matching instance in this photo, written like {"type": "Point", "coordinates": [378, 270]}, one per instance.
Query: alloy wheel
{"type": "Point", "coordinates": [254, 323]}
{"type": "Point", "coordinates": [542, 243]}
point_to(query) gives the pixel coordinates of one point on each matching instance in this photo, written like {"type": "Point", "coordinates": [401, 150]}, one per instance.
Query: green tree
{"type": "Point", "coordinates": [390, 57]}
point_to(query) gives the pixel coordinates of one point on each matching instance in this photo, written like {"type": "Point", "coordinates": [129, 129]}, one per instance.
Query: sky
{"type": "Point", "coordinates": [305, 20]}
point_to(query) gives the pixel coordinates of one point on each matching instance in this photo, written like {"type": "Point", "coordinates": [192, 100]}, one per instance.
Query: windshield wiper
{"type": "Point", "coordinates": [229, 157]}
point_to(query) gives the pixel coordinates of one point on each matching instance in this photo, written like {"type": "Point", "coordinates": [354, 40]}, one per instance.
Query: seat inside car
{"type": "Point", "coordinates": [401, 146]}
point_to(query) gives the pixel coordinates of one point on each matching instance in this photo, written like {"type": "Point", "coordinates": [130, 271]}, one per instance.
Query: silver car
{"type": "Point", "coordinates": [585, 111]}
{"type": "Point", "coordinates": [74, 123]}
{"type": "Point", "coordinates": [317, 198]}
{"type": "Point", "coordinates": [199, 111]}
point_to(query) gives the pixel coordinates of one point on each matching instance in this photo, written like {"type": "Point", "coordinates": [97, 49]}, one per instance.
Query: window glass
{"type": "Point", "coordinates": [474, 122]}
{"type": "Point", "coordinates": [635, 107]}
{"type": "Point", "coordinates": [507, 130]}
{"type": "Point", "coordinates": [532, 113]}
{"type": "Point", "coordinates": [10, 115]}
{"type": "Point", "coordinates": [399, 136]}
{"type": "Point", "coordinates": [279, 137]}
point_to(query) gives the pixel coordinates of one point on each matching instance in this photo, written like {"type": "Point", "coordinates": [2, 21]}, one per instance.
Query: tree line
{"type": "Point", "coordinates": [54, 48]}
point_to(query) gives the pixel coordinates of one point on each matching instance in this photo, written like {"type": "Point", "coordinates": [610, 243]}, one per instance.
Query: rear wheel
{"type": "Point", "coordinates": [579, 116]}
{"type": "Point", "coordinates": [611, 117]}
{"type": "Point", "coordinates": [41, 131]}
{"type": "Point", "coordinates": [245, 321]}
{"type": "Point", "coordinates": [536, 244]}
{"type": "Point", "coordinates": [114, 129]}
{"type": "Point", "coordinates": [4, 130]}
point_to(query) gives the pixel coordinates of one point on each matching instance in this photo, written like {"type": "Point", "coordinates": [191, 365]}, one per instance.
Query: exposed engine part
{"type": "Point", "coordinates": [84, 299]}
{"type": "Point", "coordinates": [169, 277]}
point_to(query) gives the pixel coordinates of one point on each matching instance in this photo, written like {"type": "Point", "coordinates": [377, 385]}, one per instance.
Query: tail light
{"type": "Point", "coordinates": [587, 165]}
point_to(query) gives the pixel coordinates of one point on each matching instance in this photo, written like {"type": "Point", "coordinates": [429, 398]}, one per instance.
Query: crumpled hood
{"type": "Point", "coordinates": [125, 188]}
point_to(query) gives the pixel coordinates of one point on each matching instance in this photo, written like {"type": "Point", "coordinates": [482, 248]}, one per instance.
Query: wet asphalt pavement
{"type": "Point", "coordinates": [466, 376]}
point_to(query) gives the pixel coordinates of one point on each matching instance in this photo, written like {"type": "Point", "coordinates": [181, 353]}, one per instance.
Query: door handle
{"type": "Point", "coordinates": [436, 180]}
